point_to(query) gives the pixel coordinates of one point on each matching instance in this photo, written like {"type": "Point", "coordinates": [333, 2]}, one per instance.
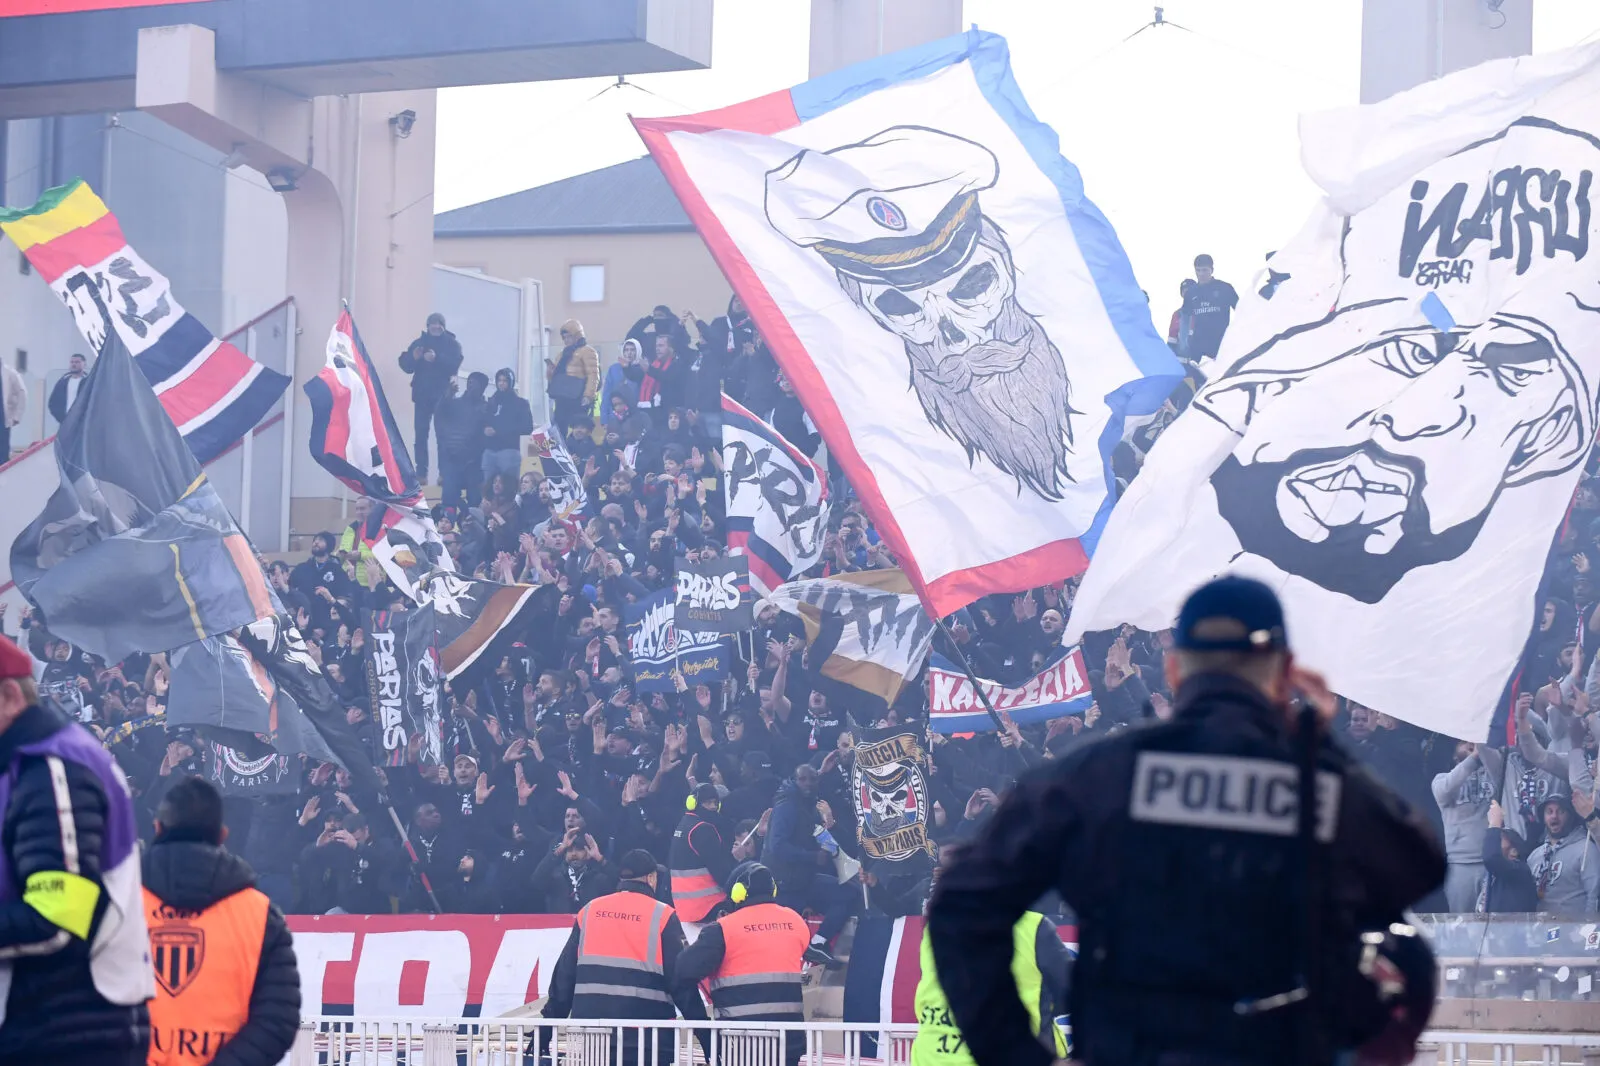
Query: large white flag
{"type": "Point", "coordinates": [956, 316]}
{"type": "Point", "coordinates": [1392, 440]}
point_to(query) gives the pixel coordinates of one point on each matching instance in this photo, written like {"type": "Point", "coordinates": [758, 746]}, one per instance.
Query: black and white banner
{"type": "Point", "coordinates": [1392, 440]}
{"type": "Point", "coordinates": [777, 500]}
{"type": "Point", "coordinates": [565, 492]}
{"type": "Point", "coordinates": [404, 682]}
{"type": "Point", "coordinates": [713, 596]}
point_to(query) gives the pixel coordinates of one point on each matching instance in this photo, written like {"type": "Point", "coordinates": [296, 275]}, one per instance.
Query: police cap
{"type": "Point", "coordinates": [1239, 599]}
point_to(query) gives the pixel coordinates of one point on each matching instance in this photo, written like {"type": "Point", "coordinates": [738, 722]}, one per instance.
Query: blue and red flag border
{"type": "Point", "coordinates": [1108, 265]}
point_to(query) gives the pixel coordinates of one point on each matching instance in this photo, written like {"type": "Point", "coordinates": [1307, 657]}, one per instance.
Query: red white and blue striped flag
{"type": "Point", "coordinates": [212, 391]}
{"type": "Point", "coordinates": [353, 433]}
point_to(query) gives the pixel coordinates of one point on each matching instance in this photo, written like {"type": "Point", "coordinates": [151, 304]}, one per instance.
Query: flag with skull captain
{"type": "Point", "coordinates": [957, 318]}
{"type": "Point", "coordinates": [1392, 440]}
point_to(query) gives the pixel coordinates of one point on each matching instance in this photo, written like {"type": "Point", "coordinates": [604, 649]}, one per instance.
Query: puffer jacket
{"type": "Point", "coordinates": [54, 1012]}
{"type": "Point", "coordinates": [791, 848]}
{"type": "Point", "coordinates": [578, 360]}
{"type": "Point", "coordinates": [192, 876]}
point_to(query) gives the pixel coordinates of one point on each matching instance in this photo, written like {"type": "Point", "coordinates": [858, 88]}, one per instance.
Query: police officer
{"type": "Point", "coordinates": [702, 861]}
{"type": "Point", "coordinates": [621, 960]}
{"type": "Point", "coordinates": [1041, 966]}
{"type": "Point", "coordinates": [227, 987]}
{"type": "Point", "coordinates": [74, 958]}
{"type": "Point", "coordinates": [1179, 846]}
{"type": "Point", "coordinates": [754, 957]}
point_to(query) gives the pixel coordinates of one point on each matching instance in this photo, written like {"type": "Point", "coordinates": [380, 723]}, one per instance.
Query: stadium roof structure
{"type": "Point", "coordinates": [631, 197]}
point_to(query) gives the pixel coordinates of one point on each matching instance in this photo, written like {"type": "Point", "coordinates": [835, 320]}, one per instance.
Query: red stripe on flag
{"type": "Point", "coordinates": [207, 384]}
{"type": "Point", "coordinates": [391, 466]}
{"type": "Point", "coordinates": [337, 440]}
{"type": "Point", "coordinates": [772, 113]}
{"type": "Point", "coordinates": [907, 969]}
{"type": "Point", "coordinates": [82, 247]}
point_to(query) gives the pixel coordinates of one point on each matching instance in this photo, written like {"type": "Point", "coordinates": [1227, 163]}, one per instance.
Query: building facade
{"type": "Point", "coordinates": [607, 247]}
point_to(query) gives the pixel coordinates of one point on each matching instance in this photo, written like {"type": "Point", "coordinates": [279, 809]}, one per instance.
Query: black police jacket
{"type": "Point", "coordinates": [1176, 844]}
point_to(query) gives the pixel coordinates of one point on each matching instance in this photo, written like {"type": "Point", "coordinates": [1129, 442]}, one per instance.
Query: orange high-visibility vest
{"type": "Point", "coordinates": [620, 970]}
{"type": "Point", "coordinates": [759, 979]}
{"type": "Point", "coordinates": [205, 963]}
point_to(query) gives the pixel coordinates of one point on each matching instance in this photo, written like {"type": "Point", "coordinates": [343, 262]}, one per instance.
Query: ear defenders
{"type": "Point", "coordinates": [691, 803]}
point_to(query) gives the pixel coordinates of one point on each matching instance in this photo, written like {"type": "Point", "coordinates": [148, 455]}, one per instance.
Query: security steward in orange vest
{"type": "Point", "coordinates": [701, 860]}
{"type": "Point", "coordinates": [753, 957]}
{"type": "Point", "coordinates": [621, 961]}
{"type": "Point", "coordinates": [227, 987]}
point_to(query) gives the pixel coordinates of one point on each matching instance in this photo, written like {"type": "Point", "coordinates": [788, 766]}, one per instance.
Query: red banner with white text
{"type": "Point", "coordinates": [452, 965]}
{"type": "Point", "coordinates": [470, 965]}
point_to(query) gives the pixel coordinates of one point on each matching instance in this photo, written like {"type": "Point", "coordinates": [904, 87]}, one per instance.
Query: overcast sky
{"type": "Point", "coordinates": [1185, 138]}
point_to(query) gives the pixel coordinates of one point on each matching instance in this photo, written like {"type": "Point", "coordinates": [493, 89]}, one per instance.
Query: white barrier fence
{"type": "Point", "coordinates": [334, 1041]}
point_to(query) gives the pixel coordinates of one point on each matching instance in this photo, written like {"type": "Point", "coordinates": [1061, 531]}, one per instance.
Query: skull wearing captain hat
{"type": "Point", "coordinates": [899, 208]}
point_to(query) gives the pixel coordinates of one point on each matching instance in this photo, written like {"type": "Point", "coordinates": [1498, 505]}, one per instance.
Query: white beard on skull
{"type": "Point", "coordinates": [983, 368]}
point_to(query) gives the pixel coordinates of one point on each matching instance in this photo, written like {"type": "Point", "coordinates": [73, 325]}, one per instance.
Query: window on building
{"type": "Point", "coordinates": [22, 360]}
{"type": "Point", "coordinates": [586, 284]}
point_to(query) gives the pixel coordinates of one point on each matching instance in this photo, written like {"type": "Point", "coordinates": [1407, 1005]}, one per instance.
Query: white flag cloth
{"type": "Point", "coordinates": [868, 629]}
{"type": "Point", "coordinates": [563, 485]}
{"type": "Point", "coordinates": [777, 500]}
{"type": "Point", "coordinates": [956, 316]}
{"type": "Point", "coordinates": [1392, 440]}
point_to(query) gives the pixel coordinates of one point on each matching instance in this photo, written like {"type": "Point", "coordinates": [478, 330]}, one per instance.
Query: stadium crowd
{"type": "Point", "coordinates": [554, 767]}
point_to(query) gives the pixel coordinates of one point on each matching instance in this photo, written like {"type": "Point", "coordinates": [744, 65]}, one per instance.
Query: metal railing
{"type": "Point", "coordinates": [336, 1041]}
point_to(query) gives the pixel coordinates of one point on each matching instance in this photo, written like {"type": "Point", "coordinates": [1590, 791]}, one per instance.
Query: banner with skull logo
{"type": "Point", "coordinates": [893, 808]}
{"type": "Point", "coordinates": [958, 319]}
{"type": "Point", "coordinates": [1391, 441]}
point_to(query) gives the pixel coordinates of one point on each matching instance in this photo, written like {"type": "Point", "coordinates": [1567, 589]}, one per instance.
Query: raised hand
{"type": "Point", "coordinates": [482, 791]}
{"type": "Point", "coordinates": [566, 788]}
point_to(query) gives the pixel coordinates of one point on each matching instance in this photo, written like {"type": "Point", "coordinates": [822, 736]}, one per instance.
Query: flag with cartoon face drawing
{"type": "Point", "coordinates": [954, 313]}
{"type": "Point", "coordinates": [1391, 441]}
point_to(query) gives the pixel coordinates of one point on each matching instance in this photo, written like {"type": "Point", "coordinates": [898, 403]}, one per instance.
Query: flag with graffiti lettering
{"type": "Point", "coordinates": [218, 688]}
{"type": "Point", "coordinates": [1391, 441]}
{"type": "Point", "coordinates": [213, 392]}
{"type": "Point", "coordinates": [777, 499]}
{"type": "Point", "coordinates": [894, 807]}
{"type": "Point", "coordinates": [868, 630]}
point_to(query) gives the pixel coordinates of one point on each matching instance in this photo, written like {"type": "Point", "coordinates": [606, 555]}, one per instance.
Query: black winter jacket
{"type": "Point", "coordinates": [193, 876]}
{"type": "Point", "coordinates": [510, 417]}
{"type": "Point", "coordinates": [53, 1011]}
{"type": "Point", "coordinates": [430, 379]}
{"type": "Point", "coordinates": [459, 421]}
